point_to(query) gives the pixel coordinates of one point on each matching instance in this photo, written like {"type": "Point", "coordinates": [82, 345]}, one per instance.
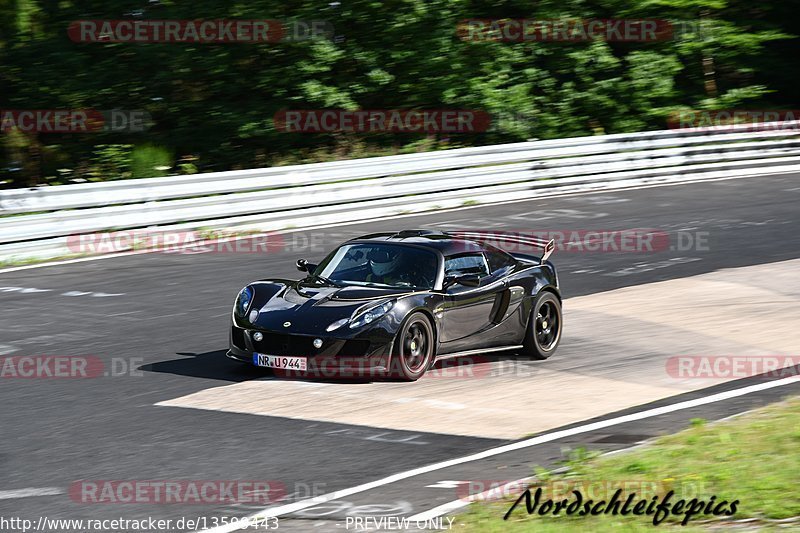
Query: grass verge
{"type": "Point", "coordinates": [753, 458]}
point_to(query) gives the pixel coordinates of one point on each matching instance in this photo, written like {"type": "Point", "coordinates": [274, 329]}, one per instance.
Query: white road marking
{"type": "Point", "coordinates": [548, 214]}
{"type": "Point", "coordinates": [553, 194]}
{"type": "Point", "coordinates": [405, 440]}
{"type": "Point", "coordinates": [397, 508]}
{"type": "Point", "coordinates": [7, 349]}
{"type": "Point", "coordinates": [23, 290]}
{"type": "Point", "coordinates": [165, 316]}
{"type": "Point", "coordinates": [607, 200]}
{"type": "Point", "coordinates": [527, 443]}
{"type": "Point", "coordinates": [92, 294]}
{"type": "Point", "coordinates": [125, 313]}
{"type": "Point", "coordinates": [502, 489]}
{"type": "Point", "coordinates": [439, 511]}
{"type": "Point", "coordinates": [363, 434]}
{"type": "Point", "coordinates": [27, 493]}
{"type": "Point", "coordinates": [55, 338]}
{"type": "Point", "coordinates": [34, 290]}
{"type": "Point", "coordinates": [446, 484]}
{"type": "Point", "coordinates": [639, 268]}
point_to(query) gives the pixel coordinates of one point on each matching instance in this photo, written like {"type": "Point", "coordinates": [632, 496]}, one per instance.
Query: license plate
{"type": "Point", "coordinates": [277, 361]}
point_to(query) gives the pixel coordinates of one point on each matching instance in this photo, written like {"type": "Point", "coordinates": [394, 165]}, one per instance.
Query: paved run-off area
{"type": "Point", "coordinates": [621, 348]}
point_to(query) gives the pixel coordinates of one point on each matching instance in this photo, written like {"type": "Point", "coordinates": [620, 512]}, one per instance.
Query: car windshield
{"type": "Point", "coordinates": [381, 265]}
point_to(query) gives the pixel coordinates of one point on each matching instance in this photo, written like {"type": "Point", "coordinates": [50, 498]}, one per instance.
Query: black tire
{"type": "Point", "coordinates": [413, 349]}
{"type": "Point", "coordinates": [544, 327]}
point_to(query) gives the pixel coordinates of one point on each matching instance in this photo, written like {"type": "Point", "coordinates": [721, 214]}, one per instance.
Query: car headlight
{"type": "Point", "coordinates": [371, 314]}
{"type": "Point", "coordinates": [243, 301]}
{"type": "Point", "coordinates": [337, 324]}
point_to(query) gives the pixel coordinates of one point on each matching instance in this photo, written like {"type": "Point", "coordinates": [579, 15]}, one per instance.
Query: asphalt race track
{"type": "Point", "coordinates": [158, 322]}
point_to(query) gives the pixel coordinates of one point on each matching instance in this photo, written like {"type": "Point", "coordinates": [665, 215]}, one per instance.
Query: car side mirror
{"type": "Point", "coordinates": [467, 280]}
{"type": "Point", "coordinates": [304, 266]}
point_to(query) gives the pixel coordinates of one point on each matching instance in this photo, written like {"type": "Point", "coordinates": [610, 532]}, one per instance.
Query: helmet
{"type": "Point", "coordinates": [382, 261]}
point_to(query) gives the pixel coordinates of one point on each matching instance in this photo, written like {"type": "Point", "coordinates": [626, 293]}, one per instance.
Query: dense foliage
{"type": "Point", "coordinates": [212, 105]}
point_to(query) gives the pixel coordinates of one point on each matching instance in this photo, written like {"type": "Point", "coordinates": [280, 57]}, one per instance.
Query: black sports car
{"type": "Point", "coordinates": [393, 304]}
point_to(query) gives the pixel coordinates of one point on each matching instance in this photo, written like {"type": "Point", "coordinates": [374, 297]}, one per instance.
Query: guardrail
{"type": "Point", "coordinates": [355, 189]}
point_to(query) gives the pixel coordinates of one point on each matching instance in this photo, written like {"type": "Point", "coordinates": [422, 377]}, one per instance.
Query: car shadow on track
{"type": "Point", "coordinates": [215, 365]}
{"type": "Point", "coordinates": [208, 365]}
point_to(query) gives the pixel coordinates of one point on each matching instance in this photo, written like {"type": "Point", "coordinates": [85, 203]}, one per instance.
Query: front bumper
{"type": "Point", "coordinates": [365, 355]}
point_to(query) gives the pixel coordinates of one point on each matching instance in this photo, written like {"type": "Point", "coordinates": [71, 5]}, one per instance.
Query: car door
{"type": "Point", "coordinates": [468, 311]}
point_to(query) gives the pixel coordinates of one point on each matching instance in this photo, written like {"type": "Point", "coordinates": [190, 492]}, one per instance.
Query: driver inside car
{"type": "Point", "coordinates": [383, 267]}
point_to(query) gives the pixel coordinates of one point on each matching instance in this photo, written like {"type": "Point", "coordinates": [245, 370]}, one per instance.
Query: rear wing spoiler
{"type": "Point", "coordinates": [547, 247]}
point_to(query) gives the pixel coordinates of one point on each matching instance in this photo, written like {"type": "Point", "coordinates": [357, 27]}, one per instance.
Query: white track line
{"type": "Point", "coordinates": [439, 511]}
{"type": "Point", "coordinates": [549, 194]}
{"type": "Point", "coordinates": [463, 502]}
{"type": "Point", "coordinates": [541, 439]}
{"type": "Point", "coordinates": [27, 493]}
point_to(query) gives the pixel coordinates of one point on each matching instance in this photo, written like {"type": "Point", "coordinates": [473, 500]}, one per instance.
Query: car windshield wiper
{"type": "Point", "coordinates": [326, 280]}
